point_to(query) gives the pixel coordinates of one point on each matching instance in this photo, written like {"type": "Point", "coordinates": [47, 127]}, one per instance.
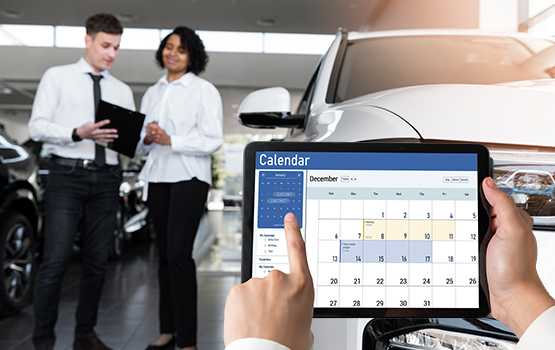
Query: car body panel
{"type": "Point", "coordinates": [487, 113]}
{"type": "Point", "coordinates": [363, 122]}
{"type": "Point", "coordinates": [514, 119]}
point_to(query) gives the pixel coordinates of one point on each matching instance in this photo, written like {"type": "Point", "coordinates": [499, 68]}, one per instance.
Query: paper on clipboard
{"type": "Point", "coordinates": [128, 123]}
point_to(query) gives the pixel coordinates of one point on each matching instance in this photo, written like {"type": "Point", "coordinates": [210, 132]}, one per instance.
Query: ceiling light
{"type": "Point", "coordinates": [267, 22]}
{"type": "Point", "coordinates": [5, 91]}
{"type": "Point", "coordinates": [127, 17]}
{"type": "Point", "coordinates": [13, 14]}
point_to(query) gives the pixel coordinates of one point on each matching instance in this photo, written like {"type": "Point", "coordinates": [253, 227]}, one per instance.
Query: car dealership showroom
{"type": "Point", "coordinates": [132, 203]}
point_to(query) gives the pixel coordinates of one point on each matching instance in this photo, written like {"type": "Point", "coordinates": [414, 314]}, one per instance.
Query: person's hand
{"type": "Point", "coordinates": [517, 295]}
{"type": "Point", "coordinates": [93, 131]}
{"type": "Point", "coordinates": [155, 133]}
{"type": "Point", "coordinates": [278, 307]}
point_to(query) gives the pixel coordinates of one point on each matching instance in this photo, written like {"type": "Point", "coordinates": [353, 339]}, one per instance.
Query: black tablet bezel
{"type": "Point", "coordinates": [484, 218]}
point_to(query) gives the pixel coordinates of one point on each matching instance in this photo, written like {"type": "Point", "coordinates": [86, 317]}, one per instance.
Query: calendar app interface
{"type": "Point", "coordinates": [387, 230]}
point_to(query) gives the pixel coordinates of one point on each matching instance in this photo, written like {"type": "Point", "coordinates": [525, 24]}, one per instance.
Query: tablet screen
{"type": "Point", "coordinates": [382, 230]}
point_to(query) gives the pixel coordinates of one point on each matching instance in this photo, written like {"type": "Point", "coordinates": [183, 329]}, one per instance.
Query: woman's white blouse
{"type": "Point", "coordinates": [190, 111]}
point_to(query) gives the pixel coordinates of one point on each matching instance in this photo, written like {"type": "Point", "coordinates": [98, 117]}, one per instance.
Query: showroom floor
{"type": "Point", "coordinates": [128, 309]}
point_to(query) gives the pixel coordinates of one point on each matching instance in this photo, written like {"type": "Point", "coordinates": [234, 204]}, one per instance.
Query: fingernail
{"type": "Point", "coordinates": [289, 217]}
{"type": "Point", "coordinates": [490, 182]}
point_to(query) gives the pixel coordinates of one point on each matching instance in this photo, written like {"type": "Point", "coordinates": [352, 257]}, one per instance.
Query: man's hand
{"type": "Point", "coordinates": [278, 307]}
{"type": "Point", "coordinates": [154, 133]}
{"type": "Point", "coordinates": [93, 131]}
{"type": "Point", "coordinates": [517, 295]}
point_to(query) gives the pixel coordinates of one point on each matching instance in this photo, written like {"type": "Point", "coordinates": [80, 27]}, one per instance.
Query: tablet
{"type": "Point", "coordinates": [391, 229]}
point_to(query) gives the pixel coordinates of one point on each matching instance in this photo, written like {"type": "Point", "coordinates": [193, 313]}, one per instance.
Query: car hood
{"type": "Point", "coordinates": [519, 113]}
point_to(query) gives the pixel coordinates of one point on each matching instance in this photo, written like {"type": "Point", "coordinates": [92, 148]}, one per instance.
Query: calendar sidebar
{"type": "Point", "coordinates": [277, 193]}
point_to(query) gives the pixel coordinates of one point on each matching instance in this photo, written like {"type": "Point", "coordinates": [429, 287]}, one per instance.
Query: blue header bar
{"type": "Point", "coordinates": [367, 161]}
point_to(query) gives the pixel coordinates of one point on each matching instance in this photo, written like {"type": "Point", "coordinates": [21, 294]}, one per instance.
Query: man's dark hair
{"type": "Point", "coordinates": [103, 22]}
{"type": "Point", "coordinates": [192, 44]}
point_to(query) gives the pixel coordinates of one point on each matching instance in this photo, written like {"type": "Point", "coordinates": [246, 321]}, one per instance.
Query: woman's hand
{"type": "Point", "coordinates": [154, 133]}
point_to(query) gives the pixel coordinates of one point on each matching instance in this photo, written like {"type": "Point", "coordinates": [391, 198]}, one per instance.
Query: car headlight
{"type": "Point", "coordinates": [440, 339]}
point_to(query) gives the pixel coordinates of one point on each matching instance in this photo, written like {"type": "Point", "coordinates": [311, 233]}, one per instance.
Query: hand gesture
{"type": "Point", "coordinates": [93, 131]}
{"type": "Point", "coordinates": [154, 133]}
{"type": "Point", "coordinates": [278, 307]}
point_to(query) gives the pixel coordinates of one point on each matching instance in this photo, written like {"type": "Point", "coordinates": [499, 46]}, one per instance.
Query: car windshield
{"type": "Point", "coordinates": [379, 64]}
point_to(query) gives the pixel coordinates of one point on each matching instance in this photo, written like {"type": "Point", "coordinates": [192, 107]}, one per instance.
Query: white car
{"type": "Point", "coordinates": [430, 86]}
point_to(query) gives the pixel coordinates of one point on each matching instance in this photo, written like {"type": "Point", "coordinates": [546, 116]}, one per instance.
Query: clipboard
{"type": "Point", "coordinates": [128, 123]}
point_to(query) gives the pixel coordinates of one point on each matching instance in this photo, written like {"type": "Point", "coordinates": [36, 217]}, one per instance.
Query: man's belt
{"type": "Point", "coordinates": [87, 164]}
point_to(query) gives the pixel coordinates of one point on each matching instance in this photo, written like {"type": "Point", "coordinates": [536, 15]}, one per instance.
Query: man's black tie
{"type": "Point", "coordinates": [99, 152]}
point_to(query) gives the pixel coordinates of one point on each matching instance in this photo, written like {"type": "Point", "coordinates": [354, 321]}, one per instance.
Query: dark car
{"type": "Point", "coordinates": [20, 224]}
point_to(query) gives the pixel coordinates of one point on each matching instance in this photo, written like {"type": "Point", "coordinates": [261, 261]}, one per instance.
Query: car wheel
{"type": "Point", "coordinates": [19, 266]}
{"type": "Point", "coordinates": [119, 235]}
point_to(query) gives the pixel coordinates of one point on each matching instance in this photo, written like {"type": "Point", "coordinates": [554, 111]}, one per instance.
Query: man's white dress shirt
{"type": "Point", "coordinates": [537, 336]}
{"type": "Point", "coordinates": [190, 111]}
{"type": "Point", "coordinates": [65, 100]}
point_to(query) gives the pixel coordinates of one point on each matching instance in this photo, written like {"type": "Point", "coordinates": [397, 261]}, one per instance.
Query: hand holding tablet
{"type": "Point", "coordinates": [517, 295]}
{"type": "Point", "coordinates": [257, 306]}
{"type": "Point", "coordinates": [391, 230]}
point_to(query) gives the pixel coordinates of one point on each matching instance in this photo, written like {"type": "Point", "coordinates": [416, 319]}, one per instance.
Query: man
{"type": "Point", "coordinates": [83, 180]}
{"type": "Point", "coordinates": [518, 297]}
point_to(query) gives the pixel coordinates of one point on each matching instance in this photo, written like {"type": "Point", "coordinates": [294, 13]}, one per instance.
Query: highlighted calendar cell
{"type": "Point", "coordinates": [374, 252]}
{"type": "Point", "coordinates": [420, 252]}
{"type": "Point", "coordinates": [397, 230]}
{"type": "Point", "coordinates": [420, 230]}
{"type": "Point", "coordinates": [443, 230]}
{"type": "Point", "coordinates": [374, 229]}
{"type": "Point", "coordinates": [351, 251]}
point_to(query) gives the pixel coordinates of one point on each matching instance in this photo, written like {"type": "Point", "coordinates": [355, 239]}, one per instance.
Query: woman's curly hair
{"type": "Point", "coordinates": [192, 44]}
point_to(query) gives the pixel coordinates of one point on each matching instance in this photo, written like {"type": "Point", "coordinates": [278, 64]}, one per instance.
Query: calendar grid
{"type": "Point", "coordinates": [403, 232]}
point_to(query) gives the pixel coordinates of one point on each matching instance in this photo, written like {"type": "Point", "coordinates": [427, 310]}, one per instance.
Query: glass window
{"type": "Point", "coordinates": [70, 36]}
{"type": "Point", "coordinates": [537, 6]}
{"type": "Point", "coordinates": [380, 64]}
{"type": "Point", "coordinates": [140, 39]}
{"type": "Point", "coordinates": [231, 41]}
{"type": "Point", "coordinates": [26, 35]}
{"type": "Point", "coordinates": [308, 44]}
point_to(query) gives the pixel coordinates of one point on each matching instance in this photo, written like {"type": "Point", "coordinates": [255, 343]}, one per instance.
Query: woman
{"type": "Point", "coordinates": [183, 125]}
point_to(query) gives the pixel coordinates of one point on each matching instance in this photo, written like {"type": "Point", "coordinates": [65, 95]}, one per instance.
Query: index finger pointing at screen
{"type": "Point", "coordinates": [295, 245]}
